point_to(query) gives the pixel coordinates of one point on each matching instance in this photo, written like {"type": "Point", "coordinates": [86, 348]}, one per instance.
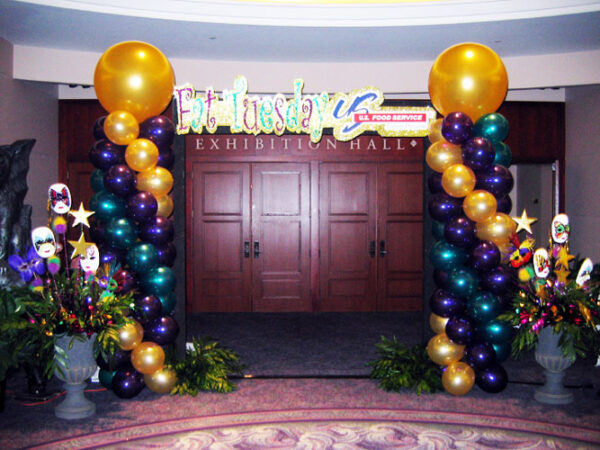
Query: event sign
{"type": "Point", "coordinates": [348, 115]}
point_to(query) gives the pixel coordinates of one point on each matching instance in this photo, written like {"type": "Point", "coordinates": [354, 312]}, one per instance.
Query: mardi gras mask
{"type": "Point", "coordinates": [560, 228]}
{"type": "Point", "coordinates": [522, 255]}
{"type": "Point", "coordinates": [583, 276]}
{"type": "Point", "coordinates": [541, 263]}
{"type": "Point", "coordinates": [60, 198]}
{"type": "Point", "coordinates": [90, 262]}
{"type": "Point", "coordinates": [43, 242]}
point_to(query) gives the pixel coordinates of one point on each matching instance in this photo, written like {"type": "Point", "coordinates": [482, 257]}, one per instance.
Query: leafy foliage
{"type": "Point", "coordinates": [402, 367]}
{"type": "Point", "coordinates": [206, 367]}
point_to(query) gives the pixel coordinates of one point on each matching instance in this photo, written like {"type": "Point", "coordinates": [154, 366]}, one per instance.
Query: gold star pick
{"type": "Point", "coordinates": [80, 246]}
{"type": "Point", "coordinates": [524, 222]}
{"type": "Point", "coordinates": [561, 274]}
{"type": "Point", "coordinates": [563, 258]}
{"type": "Point", "coordinates": [81, 216]}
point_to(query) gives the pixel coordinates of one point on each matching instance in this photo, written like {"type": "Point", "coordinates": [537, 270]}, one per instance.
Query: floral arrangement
{"type": "Point", "coordinates": [554, 290]}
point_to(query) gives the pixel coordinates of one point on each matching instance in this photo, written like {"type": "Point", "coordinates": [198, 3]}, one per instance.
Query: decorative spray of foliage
{"type": "Point", "coordinates": [206, 367]}
{"type": "Point", "coordinates": [402, 367]}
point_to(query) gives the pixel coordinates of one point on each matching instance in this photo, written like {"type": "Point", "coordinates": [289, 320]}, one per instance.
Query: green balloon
{"type": "Point", "coordinates": [106, 377]}
{"type": "Point", "coordinates": [142, 257]}
{"type": "Point", "coordinates": [483, 306]}
{"type": "Point", "coordinates": [503, 154]}
{"type": "Point", "coordinates": [158, 281]}
{"type": "Point", "coordinates": [497, 331]}
{"type": "Point", "coordinates": [493, 127]}
{"type": "Point", "coordinates": [107, 206]}
{"type": "Point", "coordinates": [121, 233]}
{"type": "Point", "coordinates": [437, 228]}
{"type": "Point", "coordinates": [446, 256]}
{"type": "Point", "coordinates": [463, 282]}
{"type": "Point", "coordinates": [502, 350]}
{"type": "Point", "coordinates": [168, 302]}
{"type": "Point", "coordinates": [97, 180]}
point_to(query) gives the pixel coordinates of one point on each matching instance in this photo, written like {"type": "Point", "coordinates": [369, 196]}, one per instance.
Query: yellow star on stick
{"type": "Point", "coordinates": [80, 246]}
{"type": "Point", "coordinates": [561, 274]}
{"type": "Point", "coordinates": [563, 258]}
{"type": "Point", "coordinates": [81, 216]}
{"type": "Point", "coordinates": [524, 222]}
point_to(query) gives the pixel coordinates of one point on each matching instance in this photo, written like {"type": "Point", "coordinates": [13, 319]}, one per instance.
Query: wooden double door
{"type": "Point", "coordinates": [252, 248]}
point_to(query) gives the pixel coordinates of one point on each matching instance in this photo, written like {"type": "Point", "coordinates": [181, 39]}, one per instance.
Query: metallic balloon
{"type": "Point", "coordinates": [484, 256]}
{"type": "Point", "coordinates": [478, 154]}
{"type": "Point", "coordinates": [130, 335]}
{"type": "Point", "coordinates": [148, 357]}
{"type": "Point", "coordinates": [480, 355]}
{"type": "Point", "coordinates": [503, 154]}
{"type": "Point", "coordinates": [105, 377]}
{"type": "Point", "coordinates": [98, 129]}
{"type": "Point", "coordinates": [158, 281]}
{"type": "Point", "coordinates": [103, 154]}
{"type": "Point", "coordinates": [493, 127]}
{"type": "Point", "coordinates": [165, 206]}
{"type": "Point", "coordinates": [498, 228]}
{"type": "Point", "coordinates": [458, 378]}
{"type": "Point", "coordinates": [492, 379]}
{"type": "Point", "coordinates": [479, 205]}
{"type": "Point", "coordinates": [147, 309]}
{"type": "Point", "coordinates": [168, 301]}
{"type": "Point", "coordinates": [446, 304]}
{"type": "Point", "coordinates": [497, 180]}
{"type": "Point", "coordinates": [121, 233]}
{"type": "Point", "coordinates": [437, 323]}
{"type": "Point", "coordinates": [142, 206]}
{"type": "Point", "coordinates": [460, 330]}
{"type": "Point", "coordinates": [446, 257]}
{"type": "Point", "coordinates": [141, 154]}
{"type": "Point", "coordinates": [457, 128]}
{"type": "Point", "coordinates": [127, 383]}
{"type": "Point", "coordinates": [121, 127]}
{"type": "Point", "coordinates": [460, 231]}
{"type": "Point", "coordinates": [163, 330]}
{"type": "Point", "coordinates": [443, 351]}
{"type": "Point", "coordinates": [504, 204]}
{"type": "Point", "coordinates": [498, 280]}
{"type": "Point", "coordinates": [442, 154]}
{"type": "Point", "coordinates": [483, 306]}
{"type": "Point", "coordinates": [156, 180]}
{"type": "Point", "coordinates": [158, 230]}
{"type": "Point", "coordinates": [161, 381]}
{"type": "Point", "coordinates": [442, 207]}
{"type": "Point", "coordinates": [120, 180]}
{"type": "Point", "coordinates": [126, 281]}
{"type": "Point", "coordinates": [496, 331]}
{"type": "Point", "coordinates": [463, 282]}
{"type": "Point", "coordinates": [107, 206]}
{"type": "Point", "coordinates": [166, 254]}
{"type": "Point", "coordinates": [166, 157]}
{"type": "Point", "coordinates": [142, 257]}
{"type": "Point", "coordinates": [159, 129]}
{"type": "Point", "coordinates": [458, 180]}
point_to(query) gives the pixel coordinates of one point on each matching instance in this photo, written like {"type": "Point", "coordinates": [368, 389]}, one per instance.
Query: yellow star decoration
{"type": "Point", "coordinates": [80, 246]}
{"type": "Point", "coordinates": [524, 222]}
{"type": "Point", "coordinates": [81, 216]}
{"type": "Point", "coordinates": [563, 258]}
{"type": "Point", "coordinates": [561, 274]}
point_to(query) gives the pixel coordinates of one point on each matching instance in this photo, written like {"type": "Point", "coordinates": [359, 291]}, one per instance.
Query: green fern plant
{"type": "Point", "coordinates": [206, 367]}
{"type": "Point", "coordinates": [401, 367]}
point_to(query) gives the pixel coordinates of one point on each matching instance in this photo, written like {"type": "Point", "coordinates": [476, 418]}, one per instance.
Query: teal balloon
{"type": "Point", "coordinates": [107, 206]}
{"type": "Point", "coordinates": [503, 154]}
{"type": "Point", "coordinates": [483, 306]}
{"type": "Point", "coordinates": [97, 180]}
{"type": "Point", "coordinates": [168, 302]}
{"type": "Point", "coordinates": [437, 228]}
{"type": "Point", "coordinates": [497, 331]}
{"type": "Point", "coordinates": [105, 377]}
{"type": "Point", "coordinates": [493, 127]}
{"type": "Point", "coordinates": [462, 282]}
{"type": "Point", "coordinates": [446, 256]}
{"type": "Point", "coordinates": [121, 233]}
{"type": "Point", "coordinates": [502, 350]}
{"type": "Point", "coordinates": [158, 281]}
{"type": "Point", "coordinates": [142, 257]}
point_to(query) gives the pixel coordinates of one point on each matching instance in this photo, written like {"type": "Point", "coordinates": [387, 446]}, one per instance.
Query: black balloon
{"type": "Point", "coordinates": [492, 379]}
{"type": "Point", "coordinates": [434, 182]}
{"type": "Point", "coordinates": [98, 130]}
{"type": "Point", "coordinates": [127, 383]}
{"type": "Point", "coordinates": [142, 206]}
{"type": "Point", "coordinates": [504, 204]}
{"type": "Point", "coordinates": [440, 277]}
{"type": "Point", "coordinates": [460, 329]}
{"type": "Point", "coordinates": [498, 181]}
{"type": "Point", "coordinates": [166, 254]}
{"type": "Point", "coordinates": [484, 257]}
{"type": "Point", "coordinates": [497, 281]}
{"type": "Point", "coordinates": [166, 158]}
{"type": "Point", "coordinates": [118, 360]}
{"type": "Point", "coordinates": [159, 129]}
{"type": "Point", "coordinates": [460, 231]}
{"type": "Point", "coordinates": [445, 304]}
{"type": "Point", "coordinates": [120, 179]}
{"type": "Point", "coordinates": [480, 355]}
{"type": "Point", "coordinates": [158, 231]}
{"type": "Point", "coordinates": [478, 154]}
{"type": "Point", "coordinates": [147, 309]}
{"type": "Point", "coordinates": [104, 154]}
{"type": "Point", "coordinates": [163, 330]}
{"type": "Point", "coordinates": [442, 207]}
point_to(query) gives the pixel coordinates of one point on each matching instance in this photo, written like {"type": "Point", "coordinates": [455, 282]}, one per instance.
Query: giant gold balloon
{"type": "Point", "coordinates": [497, 229]}
{"type": "Point", "coordinates": [135, 77]}
{"type": "Point", "coordinates": [442, 154]}
{"type": "Point", "coordinates": [458, 378]}
{"type": "Point", "coordinates": [470, 78]}
{"type": "Point", "coordinates": [141, 154]}
{"type": "Point", "coordinates": [443, 351]}
{"type": "Point", "coordinates": [458, 180]}
{"type": "Point", "coordinates": [437, 323]}
{"type": "Point", "coordinates": [130, 335]}
{"type": "Point", "coordinates": [165, 206]}
{"type": "Point", "coordinates": [158, 181]}
{"type": "Point", "coordinates": [479, 205]}
{"type": "Point", "coordinates": [435, 131]}
{"type": "Point", "coordinates": [161, 381]}
{"type": "Point", "coordinates": [148, 357]}
{"type": "Point", "coordinates": [121, 127]}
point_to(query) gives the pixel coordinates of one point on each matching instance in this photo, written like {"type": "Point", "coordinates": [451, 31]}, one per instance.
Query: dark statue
{"type": "Point", "coordinates": [15, 217]}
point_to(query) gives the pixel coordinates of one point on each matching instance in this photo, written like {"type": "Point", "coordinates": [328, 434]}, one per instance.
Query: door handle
{"type": "Point", "coordinates": [372, 249]}
{"type": "Point", "coordinates": [256, 249]}
{"type": "Point", "coordinates": [382, 250]}
{"type": "Point", "coordinates": [246, 249]}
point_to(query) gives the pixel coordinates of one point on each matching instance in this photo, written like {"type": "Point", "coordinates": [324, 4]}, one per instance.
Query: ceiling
{"type": "Point", "coordinates": [305, 31]}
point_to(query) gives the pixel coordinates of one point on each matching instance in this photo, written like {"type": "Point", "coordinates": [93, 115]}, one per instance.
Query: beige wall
{"type": "Point", "coordinates": [582, 194]}
{"type": "Point", "coordinates": [30, 110]}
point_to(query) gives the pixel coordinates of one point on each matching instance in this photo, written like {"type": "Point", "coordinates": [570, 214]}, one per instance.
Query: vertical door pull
{"type": "Point", "coordinates": [256, 249]}
{"type": "Point", "coordinates": [382, 250]}
{"type": "Point", "coordinates": [246, 249]}
{"type": "Point", "coordinates": [372, 249]}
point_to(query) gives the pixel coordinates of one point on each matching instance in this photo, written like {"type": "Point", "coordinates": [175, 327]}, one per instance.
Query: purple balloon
{"type": "Point", "coordinates": [480, 355]}
{"type": "Point", "coordinates": [434, 182]}
{"type": "Point", "coordinates": [440, 277]}
{"type": "Point", "coordinates": [142, 206]}
{"type": "Point", "coordinates": [109, 255]}
{"type": "Point", "coordinates": [460, 329]}
{"type": "Point", "coordinates": [158, 231]}
{"type": "Point", "coordinates": [159, 129]}
{"type": "Point", "coordinates": [104, 154]}
{"type": "Point", "coordinates": [120, 179]}
{"type": "Point", "coordinates": [484, 257]}
{"type": "Point", "coordinates": [497, 281]}
{"type": "Point", "coordinates": [445, 304]}
{"type": "Point", "coordinates": [460, 231]}
{"type": "Point", "coordinates": [127, 383]}
{"type": "Point", "coordinates": [98, 130]}
{"type": "Point", "coordinates": [504, 204]}
{"type": "Point", "coordinates": [147, 309]}
{"type": "Point", "coordinates": [457, 128]}
{"type": "Point", "coordinates": [497, 180]}
{"type": "Point", "coordinates": [97, 230]}
{"type": "Point", "coordinates": [442, 207]}
{"type": "Point", "coordinates": [126, 281]}
{"type": "Point", "coordinates": [166, 158]}
{"type": "Point", "coordinates": [478, 154]}
{"type": "Point", "coordinates": [163, 330]}
{"type": "Point", "coordinates": [166, 254]}
{"type": "Point", "coordinates": [492, 379]}
{"type": "Point", "coordinates": [119, 360]}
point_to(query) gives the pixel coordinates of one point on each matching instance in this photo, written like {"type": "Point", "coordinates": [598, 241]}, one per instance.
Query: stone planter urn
{"type": "Point", "coordinates": [78, 367]}
{"type": "Point", "coordinates": [549, 355]}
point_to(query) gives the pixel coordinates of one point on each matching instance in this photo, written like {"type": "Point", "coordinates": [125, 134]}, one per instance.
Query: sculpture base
{"type": "Point", "coordinates": [75, 405]}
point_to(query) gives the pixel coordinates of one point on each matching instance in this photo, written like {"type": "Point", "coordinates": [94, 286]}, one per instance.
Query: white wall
{"type": "Point", "coordinates": [582, 194]}
{"type": "Point", "coordinates": [30, 110]}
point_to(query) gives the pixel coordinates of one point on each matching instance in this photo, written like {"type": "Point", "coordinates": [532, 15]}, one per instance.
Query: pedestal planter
{"type": "Point", "coordinates": [549, 355]}
{"type": "Point", "coordinates": [79, 366]}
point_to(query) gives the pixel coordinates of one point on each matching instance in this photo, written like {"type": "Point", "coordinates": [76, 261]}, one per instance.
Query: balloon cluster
{"type": "Point", "coordinates": [133, 157]}
{"type": "Point", "coordinates": [469, 204]}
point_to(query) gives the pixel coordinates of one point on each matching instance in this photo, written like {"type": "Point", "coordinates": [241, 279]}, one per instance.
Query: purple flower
{"type": "Point", "coordinates": [29, 266]}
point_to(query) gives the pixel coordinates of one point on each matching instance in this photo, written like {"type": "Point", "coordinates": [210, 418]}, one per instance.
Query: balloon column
{"type": "Point", "coordinates": [133, 157]}
{"type": "Point", "coordinates": [469, 204]}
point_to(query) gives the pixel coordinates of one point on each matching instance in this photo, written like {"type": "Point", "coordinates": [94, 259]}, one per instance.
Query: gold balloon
{"type": "Point", "coordinates": [141, 154]}
{"type": "Point", "coordinates": [130, 335]}
{"type": "Point", "coordinates": [497, 229]}
{"type": "Point", "coordinates": [148, 357]}
{"type": "Point", "coordinates": [165, 206]}
{"type": "Point", "coordinates": [458, 180]}
{"type": "Point", "coordinates": [158, 181]}
{"type": "Point", "coordinates": [442, 350]}
{"type": "Point", "coordinates": [121, 127]}
{"type": "Point", "coordinates": [435, 131]}
{"type": "Point", "coordinates": [479, 205]}
{"type": "Point", "coordinates": [458, 378]}
{"type": "Point", "coordinates": [136, 77]}
{"type": "Point", "coordinates": [470, 78]}
{"type": "Point", "coordinates": [437, 323]}
{"type": "Point", "coordinates": [442, 154]}
{"type": "Point", "coordinates": [161, 381]}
